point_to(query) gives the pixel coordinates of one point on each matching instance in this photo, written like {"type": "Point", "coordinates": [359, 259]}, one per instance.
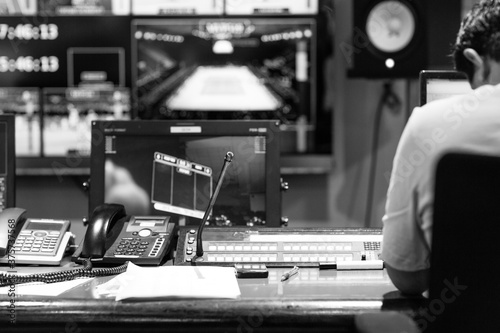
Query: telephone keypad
{"type": "Point", "coordinates": [136, 247]}
{"type": "Point", "coordinates": [36, 242]}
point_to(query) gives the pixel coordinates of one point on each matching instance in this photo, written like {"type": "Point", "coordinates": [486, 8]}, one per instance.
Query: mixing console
{"type": "Point", "coordinates": [280, 247]}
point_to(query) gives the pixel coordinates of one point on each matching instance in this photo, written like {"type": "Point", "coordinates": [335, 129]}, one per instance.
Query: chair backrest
{"type": "Point", "coordinates": [464, 289]}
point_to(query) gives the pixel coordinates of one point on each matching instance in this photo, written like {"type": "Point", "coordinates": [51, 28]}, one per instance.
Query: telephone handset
{"type": "Point", "coordinates": [32, 240]}
{"type": "Point", "coordinates": [113, 237]}
{"type": "Point", "coordinates": [9, 219]}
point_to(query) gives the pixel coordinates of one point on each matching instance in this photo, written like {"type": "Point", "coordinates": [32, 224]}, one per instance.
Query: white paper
{"type": "Point", "coordinates": [42, 289]}
{"type": "Point", "coordinates": [177, 282]}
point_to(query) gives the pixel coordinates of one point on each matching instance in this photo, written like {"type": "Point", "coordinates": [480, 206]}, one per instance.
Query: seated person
{"type": "Point", "coordinates": [467, 123]}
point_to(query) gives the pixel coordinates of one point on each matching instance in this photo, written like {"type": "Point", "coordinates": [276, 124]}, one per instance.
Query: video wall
{"type": "Point", "coordinates": [65, 63]}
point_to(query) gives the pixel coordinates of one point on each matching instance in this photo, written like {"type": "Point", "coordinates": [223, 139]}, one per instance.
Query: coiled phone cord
{"type": "Point", "coordinates": [51, 277]}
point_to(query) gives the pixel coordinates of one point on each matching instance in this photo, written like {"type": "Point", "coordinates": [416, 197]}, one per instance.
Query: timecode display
{"type": "Point", "coordinates": [29, 32]}
{"type": "Point", "coordinates": [29, 64]}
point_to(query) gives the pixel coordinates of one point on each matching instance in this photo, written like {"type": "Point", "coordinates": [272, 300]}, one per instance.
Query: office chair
{"type": "Point", "coordinates": [464, 290]}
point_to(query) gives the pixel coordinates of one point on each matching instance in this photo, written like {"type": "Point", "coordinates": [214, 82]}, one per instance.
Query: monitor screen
{"type": "Point", "coordinates": [213, 68]}
{"type": "Point", "coordinates": [435, 84]}
{"type": "Point", "coordinates": [171, 168]}
{"type": "Point", "coordinates": [69, 112]}
{"type": "Point", "coordinates": [7, 161]}
{"type": "Point", "coordinates": [24, 104]}
{"type": "Point", "coordinates": [60, 51]}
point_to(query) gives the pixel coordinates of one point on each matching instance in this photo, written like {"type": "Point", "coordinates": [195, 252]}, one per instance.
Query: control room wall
{"type": "Point", "coordinates": [337, 198]}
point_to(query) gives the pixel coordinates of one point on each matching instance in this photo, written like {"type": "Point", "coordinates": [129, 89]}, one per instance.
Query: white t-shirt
{"type": "Point", "coordinates": [466, 123]}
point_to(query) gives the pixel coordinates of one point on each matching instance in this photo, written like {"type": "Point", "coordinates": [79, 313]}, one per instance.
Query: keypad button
{"type": "Point", "coordinates": [39, 234]}
{"type": "Point", "coordinates": [145, 233]}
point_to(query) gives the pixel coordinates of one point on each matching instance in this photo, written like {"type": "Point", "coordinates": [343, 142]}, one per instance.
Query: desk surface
{"type": "Point", "coordinates": [325, 300]}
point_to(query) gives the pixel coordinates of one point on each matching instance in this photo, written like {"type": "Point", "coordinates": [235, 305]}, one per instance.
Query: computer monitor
{"type": "Point", "coordinates": [224, 68]}
{"type": "Point", "coordinates": [438, 84]}
{"type": "Point", "coordinates": [7, 161]}
{"type": "Point", "coordinates": [24, 104]}
{"type": "Point", "coordinates": [171, 168]}
{"type": "Point", "coordinates": [69, 112]}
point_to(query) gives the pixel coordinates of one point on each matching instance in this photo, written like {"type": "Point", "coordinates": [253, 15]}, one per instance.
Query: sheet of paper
{"type": "Point", "coordinates": [42, 289]}
{"type": "Point", "coordinates": [177, 282]}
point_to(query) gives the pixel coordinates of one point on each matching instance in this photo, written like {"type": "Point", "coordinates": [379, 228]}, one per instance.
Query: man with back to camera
{"type": "Point", "coordinates": [467, 123]}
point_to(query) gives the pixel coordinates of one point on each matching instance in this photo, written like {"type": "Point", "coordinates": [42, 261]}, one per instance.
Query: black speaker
{"type": "Point", "coordinates": [389, 39]}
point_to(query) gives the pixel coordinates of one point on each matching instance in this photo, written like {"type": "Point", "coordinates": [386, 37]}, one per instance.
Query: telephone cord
{"type": "Point", "coordinates": [51, 277]}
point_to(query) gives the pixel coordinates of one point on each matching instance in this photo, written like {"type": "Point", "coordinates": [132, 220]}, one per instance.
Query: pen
{"type": "Point", "coordinates": [290, 273]}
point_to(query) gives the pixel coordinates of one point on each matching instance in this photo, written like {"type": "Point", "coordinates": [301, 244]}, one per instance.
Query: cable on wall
{"type": "Point", "coordinates": [391, 100]}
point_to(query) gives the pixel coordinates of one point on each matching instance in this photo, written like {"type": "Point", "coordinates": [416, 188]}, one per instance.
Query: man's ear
{"type": "Point", "coordinates": [478, 63]}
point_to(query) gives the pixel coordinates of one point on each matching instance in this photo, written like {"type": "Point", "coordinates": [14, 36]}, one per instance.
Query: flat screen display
{"type": "Point", "coordinates": [24, 104]}
{"type": "Point", "coordinates": [167, 167]}
{"type": "Point", "coordinates": [68, 114]}
{"type": "Point", "coordinates": [61, 51]}
{"type": "Point", "coordinates": [234, 68]}
{"type": "Point", "coordinates": [437, 84]}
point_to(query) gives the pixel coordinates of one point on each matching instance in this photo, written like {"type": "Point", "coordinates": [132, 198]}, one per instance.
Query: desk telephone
{"type": "Point", "coordinates": [32, 240]}
{"type": "Point", "coordinates": [113, 237]}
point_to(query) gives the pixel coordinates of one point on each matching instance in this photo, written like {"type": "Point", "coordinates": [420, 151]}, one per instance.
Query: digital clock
{"type": "Point", "coordinates": [29, 64]}
{"type": "Point", "coordinates": [29, 32]}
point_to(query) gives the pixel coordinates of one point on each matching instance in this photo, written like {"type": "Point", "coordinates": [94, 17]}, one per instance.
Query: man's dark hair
{"type": "Point", "coordinates": [479, 30]}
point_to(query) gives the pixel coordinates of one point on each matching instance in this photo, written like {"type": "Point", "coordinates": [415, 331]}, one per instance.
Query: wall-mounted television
{"type": "Point", "coordinates": [225, 68]}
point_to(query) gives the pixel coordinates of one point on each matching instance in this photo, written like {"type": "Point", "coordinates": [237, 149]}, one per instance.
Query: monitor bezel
{"type": "Point", "coordinates": [269, 128]}
{"type": "Point", "coordinates": [9, 120]}
{"type": "Point", "coordinates": [427, 75]}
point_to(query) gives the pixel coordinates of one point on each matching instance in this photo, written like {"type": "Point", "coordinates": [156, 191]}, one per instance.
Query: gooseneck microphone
{"type": "Point", "coordinates": [199, 244]}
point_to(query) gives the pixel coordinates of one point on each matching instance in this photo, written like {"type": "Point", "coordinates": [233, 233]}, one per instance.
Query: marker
{"type": "Point", "coordinates": [289, 274]}
{"type": "Point", "coordinates": [353, 265]}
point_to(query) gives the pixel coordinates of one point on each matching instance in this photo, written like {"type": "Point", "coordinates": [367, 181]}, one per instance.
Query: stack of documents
{"type": "Point", "coordinates": [149, 283]}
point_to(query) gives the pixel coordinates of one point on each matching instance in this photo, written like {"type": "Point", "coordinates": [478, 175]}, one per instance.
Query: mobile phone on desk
{"type": "Point", "coordinates": [32, 240]}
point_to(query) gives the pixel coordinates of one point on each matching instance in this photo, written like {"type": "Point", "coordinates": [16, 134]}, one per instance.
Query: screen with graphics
{"type": "Point", "coordinates": [69, 112]}
{"type": "Point", "coordinates": [224, 68]}
{"type": "Point", "coordinates": [168, 167]}
{"type": "Point", "coordinates": [180, 186]}
{"type": "Point", "coordinates": [24, 104]}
